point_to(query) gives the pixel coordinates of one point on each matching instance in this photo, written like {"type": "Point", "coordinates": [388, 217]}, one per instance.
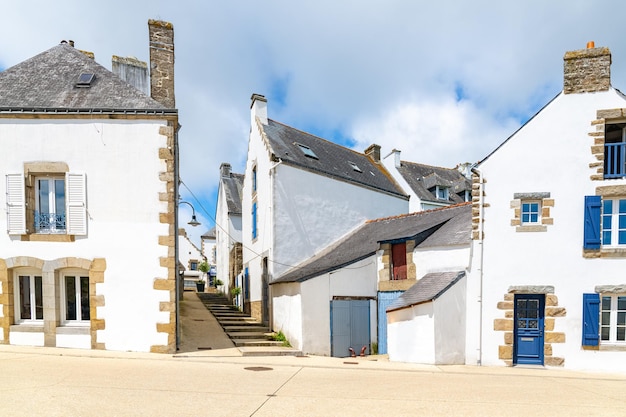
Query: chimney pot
{"type": "Point", "coordinates": [71, 43]}
{"type": "Point", "coordinates": [225, 169]}
{"type": "Point", "coordinates": [591, 44]}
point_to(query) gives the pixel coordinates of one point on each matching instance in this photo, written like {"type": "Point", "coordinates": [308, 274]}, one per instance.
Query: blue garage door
{"type": "Point", "coordinates": [385, 299]}
{"type": "Point", "coordinates": [350, 326]}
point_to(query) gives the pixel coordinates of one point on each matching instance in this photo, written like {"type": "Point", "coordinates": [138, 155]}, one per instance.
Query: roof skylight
{"type": "Point", "coordinates": [355, 167]}
{"type": "Point", "coordinates": [85, 79]}
{"type": "Point", "coordinates": [307, 151]}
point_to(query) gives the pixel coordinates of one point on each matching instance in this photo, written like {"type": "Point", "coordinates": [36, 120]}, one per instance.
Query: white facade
{"type": "Point", "coordinates": [432, 332]}
{"type": "Point", "coordinates": [121, 245]}
{"type": "Point", "coordinates": [551, 154]}
{"type": "Point", "coordinates": [227, 233]}
{"type": "Point", "coordinates": [298, 212]}
{"type": "Point", "coordinates": [302, 310]}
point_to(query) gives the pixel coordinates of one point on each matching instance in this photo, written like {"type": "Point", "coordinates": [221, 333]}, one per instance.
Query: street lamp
{"type": "Point", "coordinates": [193, 222]}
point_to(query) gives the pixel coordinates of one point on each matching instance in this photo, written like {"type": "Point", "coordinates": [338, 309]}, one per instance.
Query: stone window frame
{"type": "Point", "coordinates": [545, 202]}
{"type": "Point", "coordinates": [603, 118]}
{"type": "Point", "coordinates": [385, 281]}
{"type": "Point", "coordinates": [552, 312]}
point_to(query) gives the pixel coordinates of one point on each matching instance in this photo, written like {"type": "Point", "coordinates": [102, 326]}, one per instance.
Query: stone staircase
{"type": "Point", "coordinates": [249, 335]}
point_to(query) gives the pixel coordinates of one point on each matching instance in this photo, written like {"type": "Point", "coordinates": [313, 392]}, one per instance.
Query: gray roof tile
{"type": "Point", "coordinates": [333, 160]}
{"type": "Point", "coordinates": [427, 288]}
{"type": "Point", "coordinates": [48, 81]}
{"type": "Point", "coordinates": [423, 178]}
{"type": "Point", "coordinates": [446, 226]}
{"type": "Point", "coordinates": [233, 186]}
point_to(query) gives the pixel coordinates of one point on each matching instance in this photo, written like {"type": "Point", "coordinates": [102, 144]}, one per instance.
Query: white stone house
{"type": "Point", "coordinates": [189, 257]}
{"type": "Point", "coordinates": [429, 186]}
{"type": "Point", "coordinates": [88, 242]}
{"type": "Point", "coordinates": [228, 228]}
{"type": "Point", "coordinates": [300, 194]}
{"type": "Point", "coordinates": [338, 298]}
{"type": "Point", "coordinates": [549, 241]}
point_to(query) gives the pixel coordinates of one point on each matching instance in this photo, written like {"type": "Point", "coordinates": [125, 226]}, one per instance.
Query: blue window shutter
{"type": "Point", "coordinates": [591, 319]}
{"type": "Point", "coordinates": [593, 204]}
{"type": "Point", "coordinates": [254, 231]}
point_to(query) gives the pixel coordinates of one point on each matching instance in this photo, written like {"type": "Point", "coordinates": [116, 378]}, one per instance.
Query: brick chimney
{"type": "Point", "coordinates": [133, 71]}
{"type": "Point", "coordinates": [373, 151]}
{"type": "Point", "coordinates": [587, 70]}
{"type": "Point", "coordinates": [258, 108]}
{"type": "Point", "coordinates": [162, 62]}
{"type": "Point", "coordinates": [225, 170]}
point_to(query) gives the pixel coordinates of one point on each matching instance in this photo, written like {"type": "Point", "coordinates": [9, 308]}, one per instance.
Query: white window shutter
{"type": "Point", "coordinates": [16, 205]}
{"type": "Point", "coordinates": [76, 204]}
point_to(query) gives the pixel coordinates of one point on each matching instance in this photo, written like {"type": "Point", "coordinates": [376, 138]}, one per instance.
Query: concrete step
{"type": "Point", "coordinates": [229, 313]}
{"type": "Point", "coordinates": [243, 322]}
{"type": "Point", "coordinates": [256, 342]}
{"type": "Point", "coordinates": [247, 328]}
{"type": "Point", "coordinates": [249, 335]}
{"type": "Point", "coordinates": [269, 351]}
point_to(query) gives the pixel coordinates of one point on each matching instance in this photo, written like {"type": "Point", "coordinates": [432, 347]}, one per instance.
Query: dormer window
{"type": "Point", "coordinates": [441, 192]}
{"type": "Point", "coordinates": [354, 167]}
{"type": "Point", "coordinates": [307, 151]}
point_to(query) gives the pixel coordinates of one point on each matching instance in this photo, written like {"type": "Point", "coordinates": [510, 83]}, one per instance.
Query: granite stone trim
{"type": "Point", "coordinates": [552, 313]}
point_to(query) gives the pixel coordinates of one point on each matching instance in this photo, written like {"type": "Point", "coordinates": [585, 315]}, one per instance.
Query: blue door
{"type": "Point", "coordinates": [349, 326]}
{"type": "Point", "coordinates": [528, 329]}
{"type": "Point", "coordinates": [385, 299]}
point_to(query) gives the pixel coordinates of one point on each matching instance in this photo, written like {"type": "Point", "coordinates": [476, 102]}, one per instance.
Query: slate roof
{"type": "Point", "coordinates": [233, 186]}
{"type": "Point", "coordinates": [332, 160]}
{"type": "Point", "coordinates": [210, 234]}
{"type": "Point", "coordinates": [446, 226]}
{"type": "Point", "coordinates": [427, 288]}
{"type": "Point", "coordinates": [47, 82]}
{"type": "Point", "coordinates": [423, 178]}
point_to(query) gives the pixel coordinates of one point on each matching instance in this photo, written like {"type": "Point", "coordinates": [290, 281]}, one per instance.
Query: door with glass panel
{"type": "Point", "coordinates": [528, 329]}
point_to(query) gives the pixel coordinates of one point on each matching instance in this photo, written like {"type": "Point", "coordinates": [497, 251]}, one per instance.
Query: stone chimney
{"type": "Point", "coordinates": [162, 62]}
{"type": "Point", "coordinates": [225, 170]}
{"type": "Point", "coordinates": [258, 108]}
{"type": "Point", "coordinates": [587, 70]}
{"type": "Point", "coordinates": [133, 71]}
{"type": "Point", "coordinates": [373, 151]}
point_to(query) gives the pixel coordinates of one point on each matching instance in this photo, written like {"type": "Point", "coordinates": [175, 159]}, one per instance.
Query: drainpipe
{"type": "Point", "coordinates": [481, 214]}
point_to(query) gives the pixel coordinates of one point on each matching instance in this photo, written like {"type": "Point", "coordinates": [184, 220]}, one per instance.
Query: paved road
{"type": "Point", "coordinates": [60, 382]}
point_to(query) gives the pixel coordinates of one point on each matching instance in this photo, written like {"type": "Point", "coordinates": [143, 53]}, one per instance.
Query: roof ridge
{"type": "Point", "coordinates": [419, 213]}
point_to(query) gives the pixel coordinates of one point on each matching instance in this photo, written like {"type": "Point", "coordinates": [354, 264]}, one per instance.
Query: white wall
{"type": "Point", "coordinates": [432, 332]}
{"type": "Point", "coordinates": [227, 231]}
{"type": "Point", "coordinates": [302, 310]}
{"type": "Point", "coordinates": [121, 161]}
{"type": "Point", "coordinates": [550, 154]}
{"type": "Point", "coordinates": [437, 259]}
{"type": "Point", "coordinates": [311, 211]}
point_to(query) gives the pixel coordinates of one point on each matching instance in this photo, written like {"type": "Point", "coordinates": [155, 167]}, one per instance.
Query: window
{"type": "Point", "coordinates": [193, 265]}
{"type": "Point", "coordinates": [531, 212]}
{"type": "Point", "coordinates": [307, 151]}
{"type": "Point", "coordinates": [613, 319]}
{"type": "Point", "coordinates": [56, 203]}
{"type": "Point", "coordinates": [75, 299]}
{"type": "Point", "coordinates": [614, 150]}
{"type": "Point", "coordinates": [354, 167]}
{"type": "Point", "coordinates": [254, 178]}
{"type": "Point", "coordinates": [254, 220]}
{"type": "Point", "coordinates": [398, 259]}
{"type": "Point", "coordinates": [28, 298]}
{"type": "Point", "coordinates": [605, 222]}
{"type": "Point", "coordinates": [441, 192]}
{"type": "Point", "coordinates": [613, 222]}
{"type": "Point", "coordinates": [50, 205]}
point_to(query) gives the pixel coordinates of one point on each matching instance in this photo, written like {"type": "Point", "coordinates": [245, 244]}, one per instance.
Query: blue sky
{"type": "Point", "coordinates": [445, 82]}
